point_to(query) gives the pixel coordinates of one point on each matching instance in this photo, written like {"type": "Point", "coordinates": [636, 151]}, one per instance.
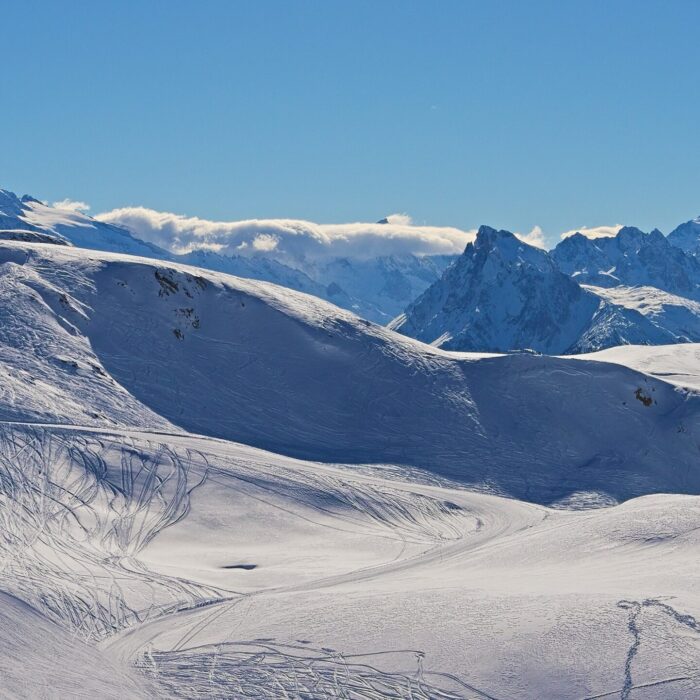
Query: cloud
{"type": "Point", "coordinates": [400, 219]}
{"type": "Point", "coordinates": [265, 242]}
{"type": "Point", "coordinates": [289, 239]}
{"type": "Point", "coordinates": [535, 237]}
{"type": "Point", "coordinates": [594, 231]}
{"type": "Point", "coordinates": [71, 205]}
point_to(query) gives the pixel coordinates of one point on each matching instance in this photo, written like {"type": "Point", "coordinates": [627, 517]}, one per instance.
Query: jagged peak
{"type": "Point", "coordinates": [577, 239]}
{"type": "Point", "coordinates": [655, 236]}
{"type": "Point", "coordinates": [28, 199]}
{"type": "Point", "coordinates": [630, 232]}
{"type": "Point", "coordinates": [488, 237]}
{"type": "Point", "coordinates": [9, 196]}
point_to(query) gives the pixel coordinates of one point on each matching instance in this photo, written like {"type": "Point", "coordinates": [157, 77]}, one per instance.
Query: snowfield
{"type": "Point", "coordinates": [217, 488]}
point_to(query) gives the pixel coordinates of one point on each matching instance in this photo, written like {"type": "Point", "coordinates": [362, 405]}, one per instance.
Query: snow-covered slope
{"type": "Point", "coordinates": [48, 368]}
{"type": "Point", "coordinates": [676, 315]}
{"type": "Point", "coordinates": [40, 659]}
{"type": "Point", "coordinates": [375, 288]}
{"type": "Point", "coordinates": [503, 294]}
{"type": "Point", "coordinates": [140, 560]}
{"type": "Point", "coordinates": [305, 580]}
{"type": "Point", "coordinates": [255, 363]}
{"type": "Point", "coordinates": [631, 258]}
{"type": "Point", "coordinates": [687, 236]}
{"type": "Point", "coordinates": [29, 214]}
{"type": "Point", "coordinates": [676, 364]}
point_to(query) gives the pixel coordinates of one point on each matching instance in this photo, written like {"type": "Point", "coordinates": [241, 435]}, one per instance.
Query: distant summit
{"type": "Point", "coordinates": [631, 258]}
{"type": "Point", "coordinates": [503, 294]}
{"type": "Point", "coordinates": [52, 225]}
{"type": "Point", "coordinates": [687, 236]}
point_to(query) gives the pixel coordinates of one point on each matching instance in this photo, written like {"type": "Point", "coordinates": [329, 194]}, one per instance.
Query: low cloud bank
{"type": "Point", "coordinates": [294, 239]}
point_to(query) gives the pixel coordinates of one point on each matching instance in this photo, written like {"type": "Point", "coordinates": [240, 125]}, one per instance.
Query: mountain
{"type": "Point", "coordinates": [104, 340]}
{"type": "Point", "coordinates": [379, 288]}
{"type": "Point", "coordinates": [630, 258]}
{"type": "Point", "coordinates": [677, 315]}
{"type": "Point", "coordinates": [264, 268]}
{"type": "Point", "coordinates": [375, 288]}
{"type": "Point", "coordinates": [503, 294]}
{"type": "Point", "coordinates": [184, 453]}
{"type": "Point", "coordinates": [30, 215]}
{"type": "Point", "coordinates": [687, 237]}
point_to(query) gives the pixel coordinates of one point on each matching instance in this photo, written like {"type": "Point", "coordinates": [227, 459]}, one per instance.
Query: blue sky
{"type": "Point", "coordinates": [516, 114]}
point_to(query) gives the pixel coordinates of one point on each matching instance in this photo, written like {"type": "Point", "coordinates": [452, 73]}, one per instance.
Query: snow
{"type": "Point", "coordinates": [630, 258]}
{"type": "Point", "coordinates": [213, 487]}
{"type": "Point", "coordinates": [41, 659]}
{"type": "Point", "coordinates": [65, 225]}
{"type": "Point", "coordinates": [342, 389]}
{"type": "Point", "coordinates": [676, 364]}
{"type": "Point", "coordinates": [503, 294]}
{"type": "Point", "coordinates": [671, 313]}
{"type": "Point", "coordinates": [687, 236]}
{"type": "Point", "coordinates": [377, 288]}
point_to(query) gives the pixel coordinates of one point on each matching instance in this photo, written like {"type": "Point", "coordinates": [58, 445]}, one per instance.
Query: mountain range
{"type": "Point", "coordinates": [500, 295]}
{"type": "Point", "coordinates": [585, 295]}
{"type": "Point", "coordinates": [376, 288]}
{"type": "Point", "coordinates": [218, 487]}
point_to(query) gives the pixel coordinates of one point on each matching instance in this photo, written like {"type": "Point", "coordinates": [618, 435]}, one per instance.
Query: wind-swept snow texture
{"type": "Point", "coordinates": [150, 548]}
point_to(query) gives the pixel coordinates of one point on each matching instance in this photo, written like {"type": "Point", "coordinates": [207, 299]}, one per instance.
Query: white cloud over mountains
{"type": "Point", "coordinates": [71, 205]}
{"type": "Point", "coordinates": [535, 237]}
{"type": "Point", "coordinates": [295, 239]}
{"type": "Point", "coordinates": [290, 237]}
{"type": "Point", "coordinates": [594, 231]}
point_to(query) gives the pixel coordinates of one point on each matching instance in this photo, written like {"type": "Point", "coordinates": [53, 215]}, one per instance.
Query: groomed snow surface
{"type": "Point", "coordinates": [218, 488]}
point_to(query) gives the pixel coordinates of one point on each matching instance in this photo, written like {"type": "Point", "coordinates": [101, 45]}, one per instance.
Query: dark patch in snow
{"type": "Point", "coordinates": [641, 396]}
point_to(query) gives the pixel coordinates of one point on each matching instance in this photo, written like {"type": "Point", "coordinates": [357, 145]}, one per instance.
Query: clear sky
{"type": "Point", "coordinates": [557, 114]}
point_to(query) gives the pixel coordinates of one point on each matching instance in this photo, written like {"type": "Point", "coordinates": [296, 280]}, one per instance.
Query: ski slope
{"type": "Point", "coordinates": [218, 488]}
{"type": "Point", "coordinates": [331, 579]}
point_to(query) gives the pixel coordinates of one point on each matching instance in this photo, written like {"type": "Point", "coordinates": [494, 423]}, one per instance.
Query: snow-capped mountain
{"type": "Point", "coordinates": [678, 315]}
{"type": "Point", "coordinates": [259, 267]}
{"type": "Point", "coordinates": [503, 294]}
{"type": "Point", "coordinates": [630, 258]}
{"type": "Point", "coordinates": [30, 215]}
{"type": "Point", "coordinates": [383, 286]}
{"type": "Point", "coordinates": [687, 236]}
{"type": "Point", "coordinates": [376, 288]}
